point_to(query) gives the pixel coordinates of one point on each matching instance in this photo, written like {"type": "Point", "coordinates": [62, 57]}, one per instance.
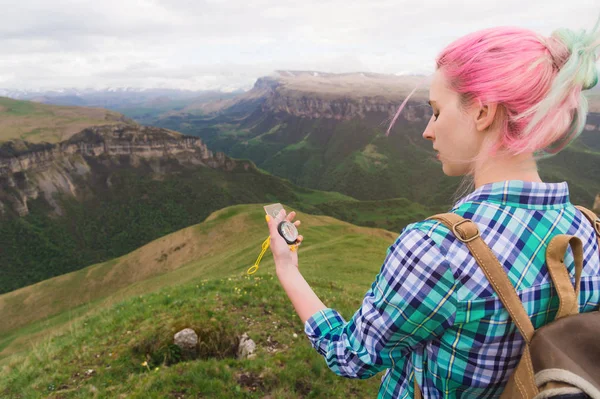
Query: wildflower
{"type": "Point", "coordinates": [145, 364]}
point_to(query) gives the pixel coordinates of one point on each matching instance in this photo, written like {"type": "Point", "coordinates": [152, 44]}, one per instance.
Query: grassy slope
{"type": "Point", "coordinates": [194, 277]}
{"type": "Point", "coordinates": [109, 222]}
{"type": "Point", "coordinates": [36, 122]}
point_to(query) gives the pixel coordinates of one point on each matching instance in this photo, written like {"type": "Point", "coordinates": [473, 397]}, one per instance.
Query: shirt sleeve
{"type": "Point", "coordinates": [412, 300]}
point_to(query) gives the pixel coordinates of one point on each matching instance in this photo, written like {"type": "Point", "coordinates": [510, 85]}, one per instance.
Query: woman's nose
{"type": "Point", "coordinates": [428, 132]}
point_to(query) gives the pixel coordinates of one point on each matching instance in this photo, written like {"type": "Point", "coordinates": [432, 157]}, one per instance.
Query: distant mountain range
{"type": "Point", "coordinates": [129, 101]}
{"type": "Point", "coordinates": [94, 97]}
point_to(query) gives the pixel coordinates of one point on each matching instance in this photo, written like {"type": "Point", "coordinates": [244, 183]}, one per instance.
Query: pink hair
{"type": "Point", "coordinates": [537, 83]}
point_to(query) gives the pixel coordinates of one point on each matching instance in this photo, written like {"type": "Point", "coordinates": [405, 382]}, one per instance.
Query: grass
{"type": "Point", "coordinates": [35, 122]}
{"type": "Point", "coordinates": [131, 322]}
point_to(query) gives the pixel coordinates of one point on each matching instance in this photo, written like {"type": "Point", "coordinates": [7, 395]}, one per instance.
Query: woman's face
{"type": "Point", "coordinates": [451, 130]}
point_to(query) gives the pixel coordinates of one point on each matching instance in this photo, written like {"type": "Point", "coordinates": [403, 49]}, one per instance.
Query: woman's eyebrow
{"type": "Point", "coordinates": [430, 102]}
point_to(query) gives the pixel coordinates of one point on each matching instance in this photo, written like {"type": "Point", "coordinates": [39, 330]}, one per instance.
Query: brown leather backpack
{"type": "Point", "coordinates": [562, 357]}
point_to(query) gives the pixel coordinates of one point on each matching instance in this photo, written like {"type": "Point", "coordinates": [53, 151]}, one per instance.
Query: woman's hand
{"type": "Point", "coordinates": [284, 255]}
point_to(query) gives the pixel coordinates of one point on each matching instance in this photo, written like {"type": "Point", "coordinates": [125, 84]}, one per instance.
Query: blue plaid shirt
{"type": "Point", "coordinates": [432, 315]}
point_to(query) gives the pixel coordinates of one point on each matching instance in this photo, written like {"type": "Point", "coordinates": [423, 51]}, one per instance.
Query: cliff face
{"type": "Point", "coordinates": [28, 171]}
{"type": "Point", "coordinates": [314, 106]}
{"type": "Point", "coordinates": [335, 100]}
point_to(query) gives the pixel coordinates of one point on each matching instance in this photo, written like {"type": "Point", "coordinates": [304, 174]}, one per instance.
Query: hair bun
{"type": "Point", "coordinates": [575, 54]}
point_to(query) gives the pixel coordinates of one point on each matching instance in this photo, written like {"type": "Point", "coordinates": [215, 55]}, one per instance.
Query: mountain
{"type": "Point", "coordinates": [111, 96]}
{"type": "Point", "coordinates": [132, 102]}
{"type": "Point", "coordinates": [327, 132]}
{"type": "Point", "coordinates": [35, 123]}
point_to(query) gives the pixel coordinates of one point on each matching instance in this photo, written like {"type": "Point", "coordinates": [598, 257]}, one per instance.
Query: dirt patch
{"type": "Point", "coordinates": [250, 381]}
{"type": "Point", "coordinates": [303, 387]}
{"type": "Point", "coordinates": [177, 395]}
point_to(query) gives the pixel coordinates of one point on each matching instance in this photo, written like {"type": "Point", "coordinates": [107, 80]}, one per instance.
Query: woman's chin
{"type": "Point", "coordinates": [450, 171]}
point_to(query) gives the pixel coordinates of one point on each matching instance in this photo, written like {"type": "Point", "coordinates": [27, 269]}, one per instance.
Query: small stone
{"type": "Point", "coordinates": [246, 347]}
{"type": "Point", "coordinates": [187, 340]}
{"type": "Point", "coordinates": [295, 335]}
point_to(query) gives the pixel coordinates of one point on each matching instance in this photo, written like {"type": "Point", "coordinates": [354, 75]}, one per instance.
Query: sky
{"type": "Point", "coordinates": [227, 45]}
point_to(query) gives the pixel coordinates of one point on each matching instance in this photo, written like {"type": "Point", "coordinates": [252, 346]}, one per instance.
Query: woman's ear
{"type": "Point", "coordinates": [485, 116]}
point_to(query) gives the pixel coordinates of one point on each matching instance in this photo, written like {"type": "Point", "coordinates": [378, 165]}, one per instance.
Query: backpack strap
{"type": "Point", "coordinates": [466, 231]}
{"type": "Point", "coordinates": [568, 297]}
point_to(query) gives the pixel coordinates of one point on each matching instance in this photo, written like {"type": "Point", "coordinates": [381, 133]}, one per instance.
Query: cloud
{"type": "Point", "coordinates": [211, 44]}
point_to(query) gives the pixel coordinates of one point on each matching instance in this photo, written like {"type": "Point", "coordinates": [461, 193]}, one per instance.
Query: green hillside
{"type": "Point", "coordinates": [35, 123]}
{"type": "Point", "coordinates": [355, 157]}
{"type": "Point", "coordinates": [137, 207]}
{"type": "Point", "coordinates": [352, 157]}
{"type": "Point", "coordinates": [112, 317]}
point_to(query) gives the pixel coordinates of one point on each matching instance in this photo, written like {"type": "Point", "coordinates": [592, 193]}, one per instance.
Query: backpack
{"type": "Point", "coordinates": [562, 358]}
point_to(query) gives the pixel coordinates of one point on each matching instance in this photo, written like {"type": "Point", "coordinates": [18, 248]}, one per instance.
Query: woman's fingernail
{"type": "Point", "coordinates": [267, 217]}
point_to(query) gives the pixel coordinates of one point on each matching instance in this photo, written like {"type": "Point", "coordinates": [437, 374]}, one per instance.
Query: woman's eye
{"type": "Point", "coordinates": [436, 116]}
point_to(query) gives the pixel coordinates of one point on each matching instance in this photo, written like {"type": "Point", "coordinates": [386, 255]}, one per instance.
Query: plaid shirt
{"type": "Point", "coordinates": [431, 314]}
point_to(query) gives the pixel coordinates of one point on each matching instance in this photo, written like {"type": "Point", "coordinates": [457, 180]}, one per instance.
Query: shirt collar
{"type": "Point", "coordinates": [520, 193]}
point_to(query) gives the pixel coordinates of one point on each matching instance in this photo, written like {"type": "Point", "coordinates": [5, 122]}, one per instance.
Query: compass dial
{"type": "Point", "coordinates": [288, 231]}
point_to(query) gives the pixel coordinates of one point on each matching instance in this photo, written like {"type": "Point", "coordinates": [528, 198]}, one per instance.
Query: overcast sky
{"type": "Point", "coordinates": [213, 44]}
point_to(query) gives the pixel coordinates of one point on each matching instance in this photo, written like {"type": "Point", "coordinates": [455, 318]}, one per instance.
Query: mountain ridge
{"type": "Point", "coordinates": [27, 171]}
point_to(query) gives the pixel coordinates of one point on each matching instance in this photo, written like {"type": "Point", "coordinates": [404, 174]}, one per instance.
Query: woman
{"type": "Point", "coordinates": [501, 99]}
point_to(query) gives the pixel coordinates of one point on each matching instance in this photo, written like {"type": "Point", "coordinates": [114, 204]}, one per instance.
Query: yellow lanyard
{"type": "Point", "coordinates": [265, 246]}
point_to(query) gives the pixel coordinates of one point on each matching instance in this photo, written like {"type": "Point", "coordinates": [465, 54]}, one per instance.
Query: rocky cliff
{"type": "Point", "coordinates": [28, 171]}
{"type": "Point", "coordinates": [342, 96]}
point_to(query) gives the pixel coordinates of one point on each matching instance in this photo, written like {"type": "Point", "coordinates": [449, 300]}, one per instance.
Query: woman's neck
{"type": "Point", "coordinates": [506, 167]}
